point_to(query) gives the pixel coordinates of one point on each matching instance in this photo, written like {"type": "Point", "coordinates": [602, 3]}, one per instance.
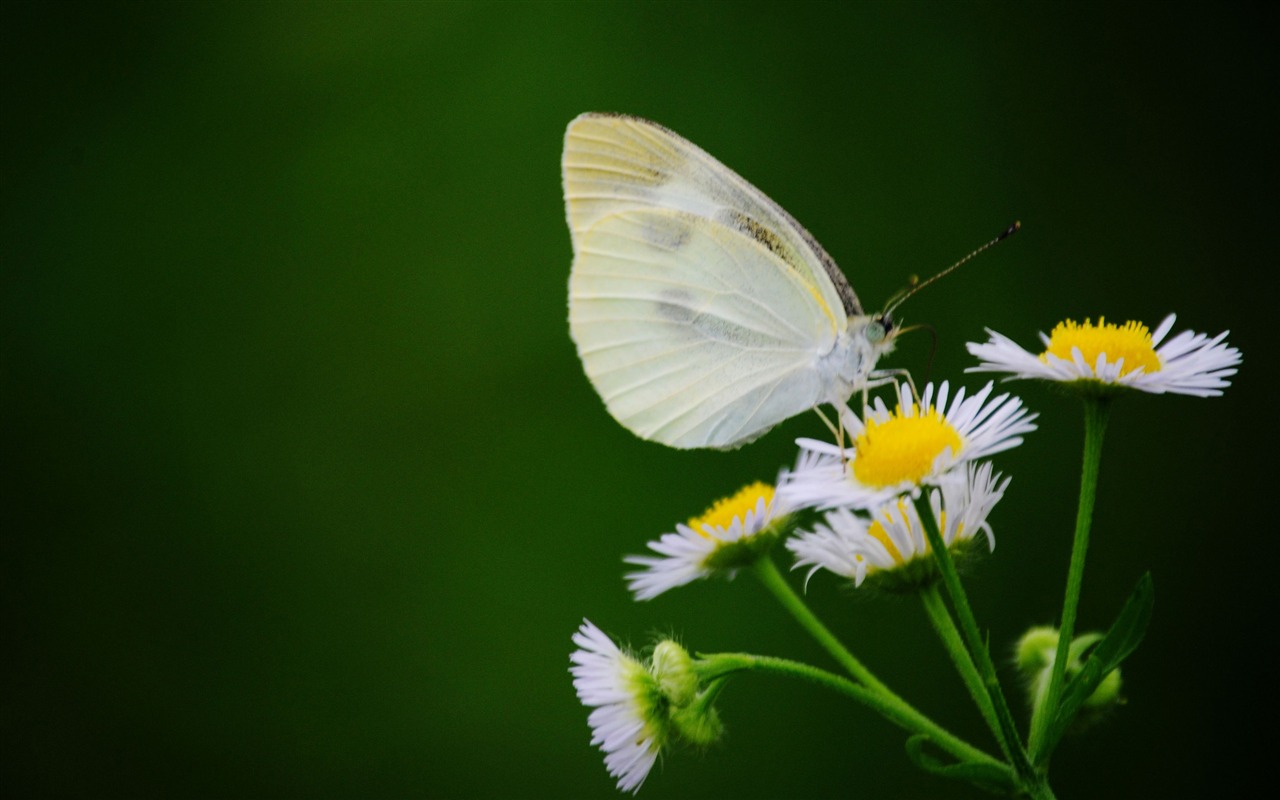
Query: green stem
{"type": "Point", "coordinates": [1008, 731]}
{"type": "Point", "coordinates": [1096, 413]}
{"type": "Point", "coordinates": [891, 707]}
{"type": "Point", "coordinates": [950, 636]}
{"type": "Point", "coordinates": [882, 698]}
{"type": "Point", "coordinates": [768, 573]}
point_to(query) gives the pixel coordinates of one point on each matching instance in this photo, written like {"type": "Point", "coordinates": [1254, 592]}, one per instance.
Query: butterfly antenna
{"type": "Point", "coordinates": [915, 287]}
{"type": "Point", "coordinates": [897, 297]}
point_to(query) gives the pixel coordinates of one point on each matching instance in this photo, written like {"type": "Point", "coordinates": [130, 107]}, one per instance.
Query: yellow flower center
{"type": "Point", "coordinates": [1130, 341]}
{"type": "Point", "coordinates": [877, 532]}
{"type": "Point", "coordinates": [902, 448]}
{"type": "Point", "coordinates": [727, 509]}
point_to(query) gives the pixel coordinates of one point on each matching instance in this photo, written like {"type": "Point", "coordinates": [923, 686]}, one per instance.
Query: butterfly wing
{"type": "Point", "coordinates": [613, 163]}
{"type": "Point", "coordinates": [694, 334]}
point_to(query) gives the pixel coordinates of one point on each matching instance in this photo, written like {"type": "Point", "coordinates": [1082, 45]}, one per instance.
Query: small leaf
{"type": "Point", "coordinates": [995, 778]}
{"type": "Point", "coordinates": [1121, 640]}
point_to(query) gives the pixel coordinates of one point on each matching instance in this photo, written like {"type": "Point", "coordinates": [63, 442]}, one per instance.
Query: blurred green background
{"type": "Point", "coordinates": [305, 491]}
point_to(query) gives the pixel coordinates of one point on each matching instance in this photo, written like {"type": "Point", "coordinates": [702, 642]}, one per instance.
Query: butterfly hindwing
{"type": "Point", "coordinates": [694, 335]}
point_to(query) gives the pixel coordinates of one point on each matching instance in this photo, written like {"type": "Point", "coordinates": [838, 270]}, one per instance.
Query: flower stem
{"type": "Point", "coordinates": [890, 706]}
{"type": "Point", "coordinates": [1007, 731]}
{"type": "Point", "coordinates": [879, 696]}
{"type": "Point", "coordinates": [768, 573]}
{"type": "Point", "coordinates": [1096, 413]}
{"type": "Point", "coordinates": [946, 629]}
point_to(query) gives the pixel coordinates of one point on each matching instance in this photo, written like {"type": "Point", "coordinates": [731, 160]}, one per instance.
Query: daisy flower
{"type": "Point", "coordinates": [891, 540]}
{"type": "Point", "coordinates": [731, 534]}
{"type": "Point", "coordinates": [1107, 355]}
{"type": "Point", "coordinates": [626, 718]}
{"type": "Point", "coordinates": [896, 452]}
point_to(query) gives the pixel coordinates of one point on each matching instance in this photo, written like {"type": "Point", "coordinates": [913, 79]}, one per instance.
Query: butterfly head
{"type": "Point", "coordinates": [847, 367]}
{"type": "Point", "coordinates": [881, 330]}
{"type": "Point", "coordinates": [881, 333]}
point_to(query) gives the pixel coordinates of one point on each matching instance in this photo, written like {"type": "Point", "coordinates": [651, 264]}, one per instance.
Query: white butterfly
{"type": "Point", "coordinates": [704, 314]}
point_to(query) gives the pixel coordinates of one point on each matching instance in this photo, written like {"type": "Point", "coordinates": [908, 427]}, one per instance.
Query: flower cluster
{"type": "Point", "coordinates": [930, 447]}
{"type": "Point", "coordinates": [912, 472]}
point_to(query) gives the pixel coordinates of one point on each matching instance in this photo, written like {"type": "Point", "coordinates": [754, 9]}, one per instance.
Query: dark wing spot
{"type": "Point", "coordinates": [775, 244]}
{"type": "Point", "coordinates": [750, 227]}
{"type": "Point", "coordinates": [681, 307]}
{"type": "Point", "coordinates": [676, 305]}
{"type": "Point", "coordinates": [664, 231]}
{"type": "Point", "coordinates": [610, 172]}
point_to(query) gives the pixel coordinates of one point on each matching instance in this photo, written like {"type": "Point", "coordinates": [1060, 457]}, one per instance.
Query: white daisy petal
{"type": "Point", "coordinates": [618, 688]}
{"type": "Point", "coordinates": [1162, 330]}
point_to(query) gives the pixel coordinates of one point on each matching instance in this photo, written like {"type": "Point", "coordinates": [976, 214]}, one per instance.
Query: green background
{"type": "Point", "coordinates": [305, 491]}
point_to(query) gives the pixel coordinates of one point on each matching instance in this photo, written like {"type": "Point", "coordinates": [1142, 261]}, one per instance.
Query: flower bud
{"type": "Point", "coordinates": [1108, 692]}
{"type": "Point", "coordinates": [673, 669]}
{"type": "Point", "coordinates": [698, 723]}
{"type": "Point", "coordinates": [1035, 654]}
{"type": "Point", "coordinates": [1035, 651]}
{"type": "Point", "coordinates": [690, 709]}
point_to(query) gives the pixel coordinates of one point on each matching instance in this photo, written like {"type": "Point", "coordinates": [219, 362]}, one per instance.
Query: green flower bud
{"type": "Point", "coordinates": [1035, 654]}
{"type": "Point", "coordinates": [698, 723]}
{"type": "Point", "coordinates": [1035, 651]}
{"type": "Point", "coordinates": [690, 710]}
{"type": "Point", "coordinates": [673, 669]}
{"type": "Point", "coordinates": [1107, 694]}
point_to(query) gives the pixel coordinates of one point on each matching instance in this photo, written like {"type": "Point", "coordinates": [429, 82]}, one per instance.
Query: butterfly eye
{"type": "Point", "coordinates": [879, 328]}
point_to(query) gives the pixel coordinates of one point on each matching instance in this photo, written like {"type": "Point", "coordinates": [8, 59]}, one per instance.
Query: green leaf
{"type": "Point", "coordinates": [1115, 647]}
{"type": "Point", "coordinates": [996, 779]}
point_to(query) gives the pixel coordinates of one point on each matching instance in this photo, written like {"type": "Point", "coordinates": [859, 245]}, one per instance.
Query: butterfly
{"type": "Point", "coordinates": [703, 313]}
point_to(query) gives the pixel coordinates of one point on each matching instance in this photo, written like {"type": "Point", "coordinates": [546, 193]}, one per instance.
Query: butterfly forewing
{"type": "Point", "coordinates": [693, 334]}
{"type": "Point", "coordinates": [613, 163]}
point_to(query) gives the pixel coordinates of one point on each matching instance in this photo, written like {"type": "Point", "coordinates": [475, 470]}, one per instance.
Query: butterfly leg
{"type": "Point", "coordinates": [841, 410]}
{"type": "Point", "coordinates": [837, 430]}
{"type": "Point", "coordinates": [885, 377]}
{"type": "Point", "coordinates": [830, 425]}
{"type": "Point", "coordinates": [844, 454]}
